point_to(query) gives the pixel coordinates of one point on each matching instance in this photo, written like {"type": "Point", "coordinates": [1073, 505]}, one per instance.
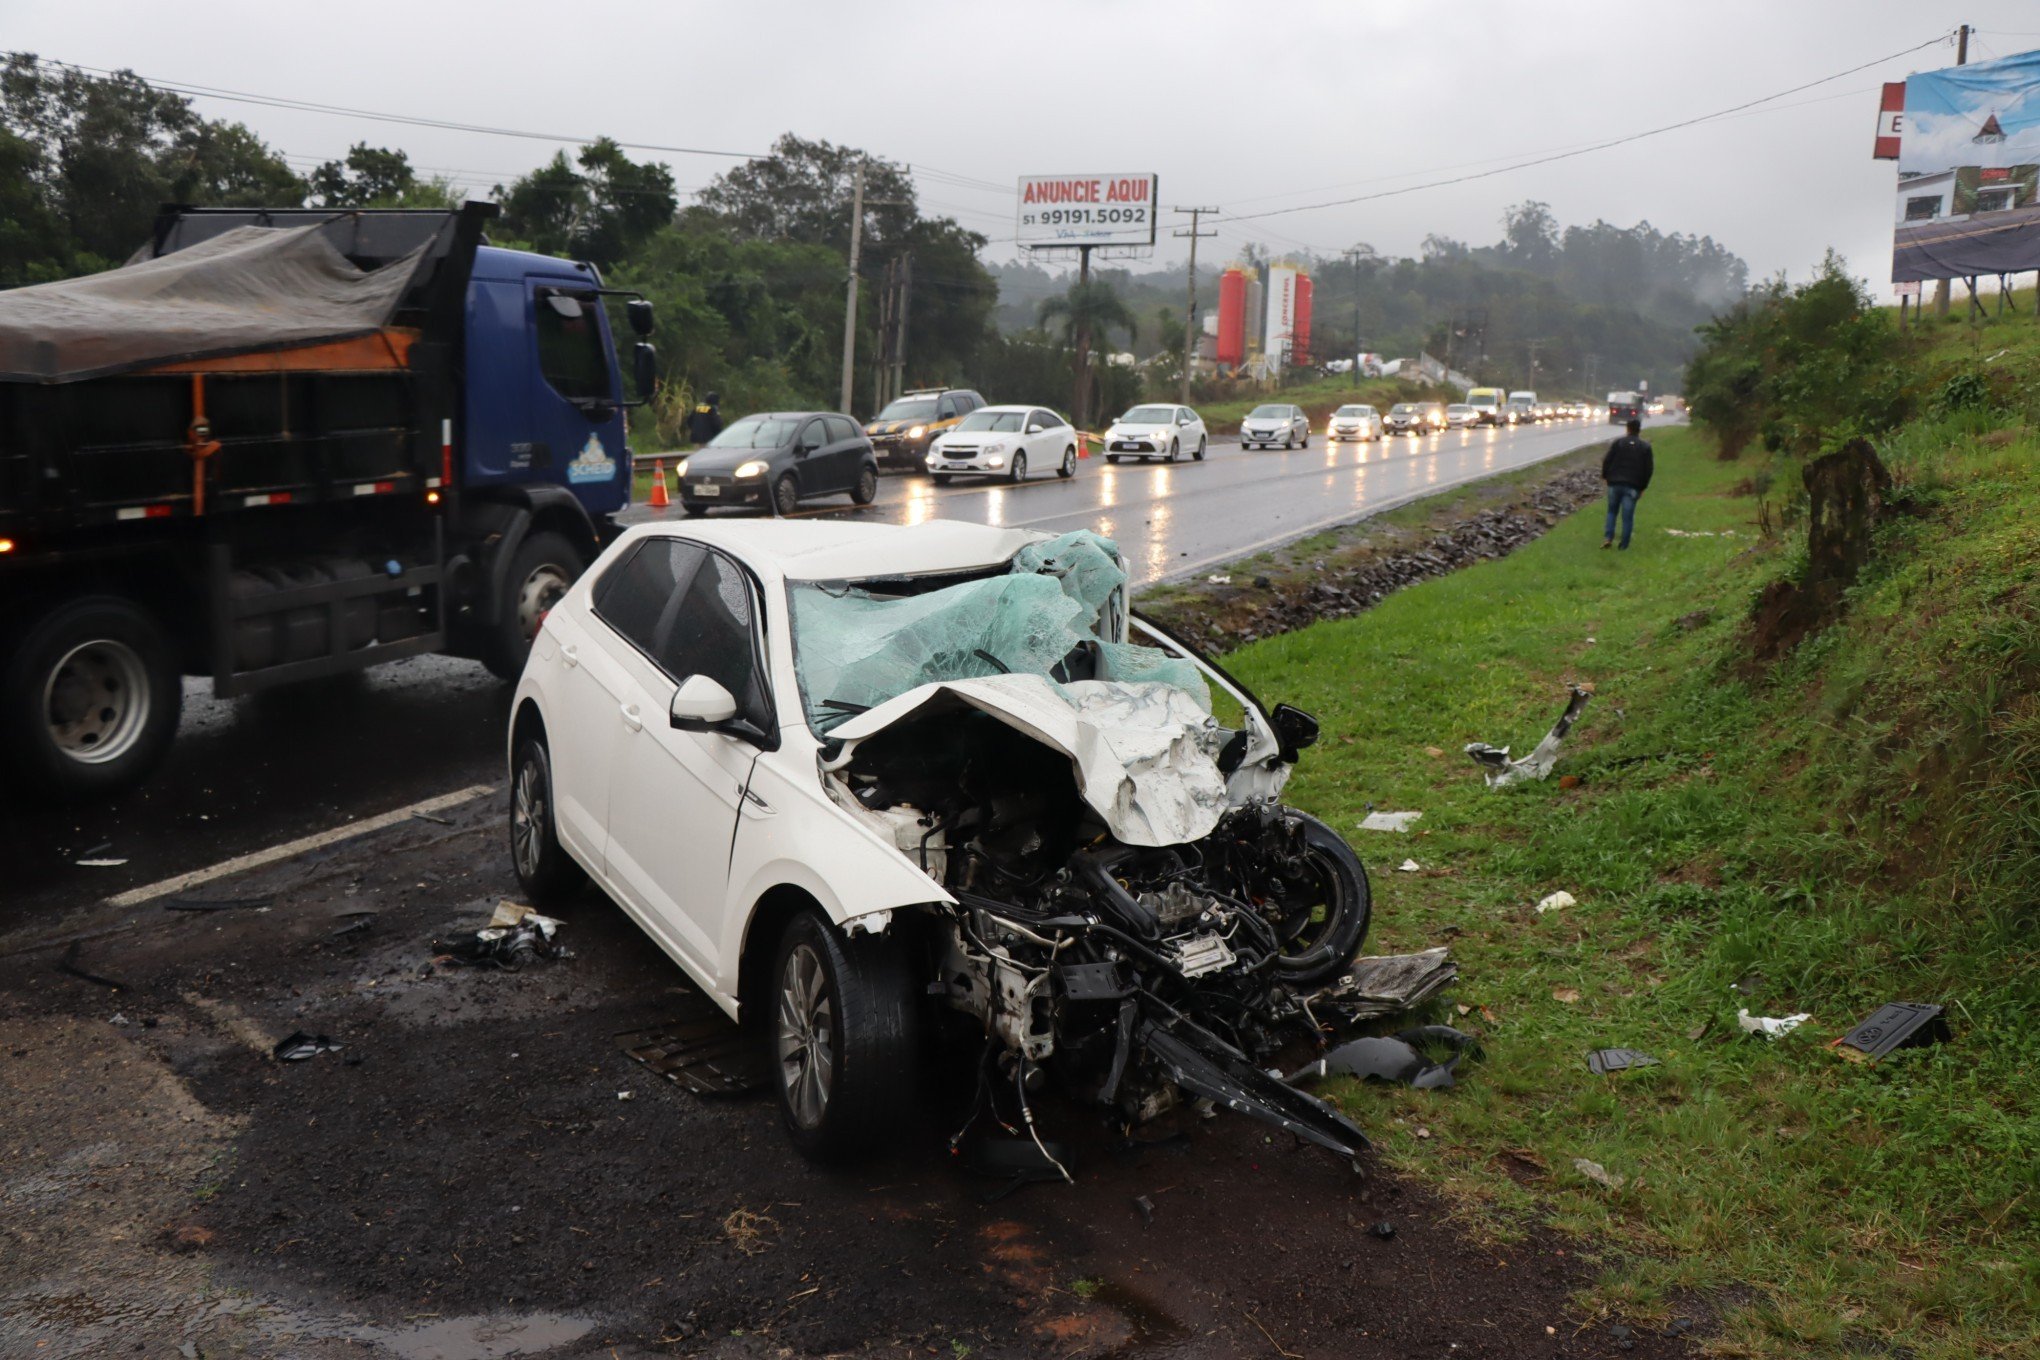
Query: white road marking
{"type": "Point", "coordinates": [255, 859]}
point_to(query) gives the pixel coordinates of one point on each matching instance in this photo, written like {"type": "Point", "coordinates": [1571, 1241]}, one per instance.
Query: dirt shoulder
{"type": "Point", "coordinates": [1340, 573]}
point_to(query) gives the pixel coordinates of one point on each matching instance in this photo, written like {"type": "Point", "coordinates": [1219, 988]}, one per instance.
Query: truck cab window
{"type": "Point", "coordinates": [571, 354]}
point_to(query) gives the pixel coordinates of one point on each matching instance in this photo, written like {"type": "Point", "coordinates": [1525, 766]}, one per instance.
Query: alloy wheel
{"type": "Point", "coordinates": [807, 1036]}
{"type": "Point", "coordinates": [529, 809]}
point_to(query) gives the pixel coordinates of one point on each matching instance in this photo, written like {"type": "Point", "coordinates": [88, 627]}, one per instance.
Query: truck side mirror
{"type": "Point", "coordinates": [639, 311]}
{"type": "Point", "coordinates": [644, 369]}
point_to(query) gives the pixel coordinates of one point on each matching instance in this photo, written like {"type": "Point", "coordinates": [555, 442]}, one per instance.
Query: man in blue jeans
{"type": "Point", "coordinates": [1626, 468]}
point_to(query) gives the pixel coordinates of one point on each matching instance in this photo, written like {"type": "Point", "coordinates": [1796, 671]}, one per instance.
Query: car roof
{"type": "Point", "coordinates": [782, 415]}
{"type": "Point", "coordinates": [984, 409]}
{"type": "Point", "coordinates": [834, 550]}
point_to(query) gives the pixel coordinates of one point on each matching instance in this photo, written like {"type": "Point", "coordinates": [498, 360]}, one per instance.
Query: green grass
{"type": "Point", "coordinates": [1856, 826]}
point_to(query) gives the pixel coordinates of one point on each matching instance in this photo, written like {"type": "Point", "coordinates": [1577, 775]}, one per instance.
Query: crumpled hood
{"type": "Point", "coordinates": [1144, 752]}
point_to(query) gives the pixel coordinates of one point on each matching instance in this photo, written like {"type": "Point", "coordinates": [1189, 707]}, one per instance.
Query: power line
{"type": "Point", "coordinates": [1585, 150]}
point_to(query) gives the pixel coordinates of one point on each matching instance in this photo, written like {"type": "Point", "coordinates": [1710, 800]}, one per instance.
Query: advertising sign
{"type": "Point", "coordinates": [1087, 210]}
{"type": "Point", "coordinates": [1890, 121]}
{"type": "Point", "coordinates": [1280, 334]}
{"type": "Point", "coordinates": [1968, 171]}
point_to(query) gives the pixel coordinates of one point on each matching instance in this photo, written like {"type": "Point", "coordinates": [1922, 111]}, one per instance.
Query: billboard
{"type": "Point", "coordinates": [1969, 172]}
{"type": "Point", "coordinates": [1086, 210]}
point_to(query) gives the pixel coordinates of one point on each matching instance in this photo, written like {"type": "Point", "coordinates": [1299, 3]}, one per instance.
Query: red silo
{"type": "Point", "coordinates": [1232, 318]}
{"type": "Point", "coordinates": [1299, 342]}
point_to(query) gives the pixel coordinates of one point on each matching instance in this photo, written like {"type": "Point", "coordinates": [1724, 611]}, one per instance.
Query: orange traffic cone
{"type": "Point", "coordinates": [1083, 446]}
{"type": "Point", "coordinates": [660, 500]}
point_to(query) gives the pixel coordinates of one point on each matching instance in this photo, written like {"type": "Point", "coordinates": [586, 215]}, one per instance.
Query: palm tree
{"type": "Point", "coordinates": [1088, 309]}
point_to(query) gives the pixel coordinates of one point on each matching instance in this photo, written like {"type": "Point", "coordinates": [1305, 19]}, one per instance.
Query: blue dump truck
{"type": "Point", "coordinates": [283, 445]}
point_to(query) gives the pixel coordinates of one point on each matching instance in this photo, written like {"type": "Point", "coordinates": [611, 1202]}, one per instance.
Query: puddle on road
{"type": "Point", "coordinates": [488, 1337]}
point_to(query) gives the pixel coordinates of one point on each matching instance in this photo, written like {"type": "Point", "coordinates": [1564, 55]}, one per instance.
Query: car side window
{"type": "Point", "coordinates": [945, 408]}
{"type": "Point", "coordinates": [571, 354]}
{"type": "Point", "coordinates": [968, 402]}
{"type": "Point", "coordinates": [688, 609]}
{"type": "Point", "coordinates": [811, 436]}
{"type": "Point", "coordinates": [1045, 419]}
{"type": "Point", "coordinates": [840, 428]}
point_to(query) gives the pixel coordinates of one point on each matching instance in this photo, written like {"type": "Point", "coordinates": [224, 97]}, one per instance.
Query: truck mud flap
{"type": "Point", "coordinates": [1203, 1066]}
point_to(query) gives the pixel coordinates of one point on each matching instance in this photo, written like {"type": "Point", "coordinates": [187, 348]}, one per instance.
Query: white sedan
{"type": "Point", "coordinates": [1167, 432]}
{"type": "Point", "coordinates": [855, 777]}
{"type": "Point", "coordinates": [1353, 422]}
{"type": "Point", "coordinates": [1004, 441]}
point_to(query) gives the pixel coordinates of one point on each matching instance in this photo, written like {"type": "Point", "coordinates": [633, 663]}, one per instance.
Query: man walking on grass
{"type": "Point", "coordinates": [1626, 468]}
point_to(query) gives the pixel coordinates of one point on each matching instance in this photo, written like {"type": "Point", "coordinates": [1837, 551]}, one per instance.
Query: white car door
{"type": "Point", "coordinates": [581, 728]}
{"type": "Point", "coordinates": [1192, 429]}
{"type": "Point", "coordinates": [1045, 450]}
{"type": "Point", "coordinates": [679, 609]}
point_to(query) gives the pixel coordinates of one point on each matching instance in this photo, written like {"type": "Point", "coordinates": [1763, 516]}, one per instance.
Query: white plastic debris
{"type": "Point", "coordinates": [1388, 821]}
{"type": "Point", "coordinates": [1556, 901]}
{"type": "Point", "coordinates": [1599, 1174]}
{"type": "Point", "coordinates": [1408, 866]}
{"type": "Point", "coordinates": [101, 863]}
{"type": "Point", "coordinates": [1770, 1026]}
{"type": "Point", "coordinates": [510, 915]}
{"type": "Point", "coordinates": [1219, 579]}
{"type": "Point", "coordinates": [1500, 771]}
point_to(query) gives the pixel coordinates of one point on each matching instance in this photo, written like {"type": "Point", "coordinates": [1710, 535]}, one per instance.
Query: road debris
{"type": "Point", "coordinates": [300, 1046]}
{"type": "Point", "coordinates": [1146, 1207]}
{"type": "Point", "coordinates": [1606, 1060]}
{"type": "Point", "coordinates": [1400, 1059]}
{"type": "Point", "coordinates": [1219, 579]}
{"type": "Point", "coordinates": [1387, 984]}
{"type": "Point", "coordinates": [1500, 771]}
{"type": "Point", "coordinates": [1388, 821]}
{"type": "Point", "coordinates": [1565, 995]}
{"type": "Point", "coordinates": [105, 862]}
{"type": "Point", "coordinates": [69, 964]}
{"type": "Point", "coordinates": [1556, 902]}
{"type": "Point", "coordinates": [1408, 866]}
{"type": "Point", "coordinates": [515, 936]}
{"type": "Point", "coordinates": [1383, 1230]}
{"type": "Point", "coordinates": [1599, 1174]}
{"type": "Point", "coordinates": [1770, 1026]}
{"type": "Point", "coordinates": [1901, 1024]}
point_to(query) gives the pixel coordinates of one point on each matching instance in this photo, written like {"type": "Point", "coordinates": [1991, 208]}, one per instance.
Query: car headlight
{"type": "Point", "coordinates": [917, 432]}
{"type": "Point", "coordinates": [995, 460]}
{"type": "Point", "coordinates": [679, 469]}
{"type": "Point", "coordinates": [754, 468]}
{"type": "Point", "coordinates": [995, 448]}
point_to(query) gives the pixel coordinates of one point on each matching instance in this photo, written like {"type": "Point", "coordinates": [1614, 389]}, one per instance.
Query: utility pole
{"type": "Point", "coordinates": [1353, 258]}
{"type": "Point", "coordinates": [850, 303]}
{"type": "Point", "coordinates": [902, 303]}
{"type": "Point", "coordinates": [1961, 59]}
{"type": "Point", "coordinates": [1190, 312]}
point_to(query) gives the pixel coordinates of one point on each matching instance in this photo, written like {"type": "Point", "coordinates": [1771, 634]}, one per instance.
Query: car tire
{"type": "Point", "coordinates": [1306, 439]}
{"type": "Point", "coordinates": [785, 495]}
{"type": "Point", "coordinates": [941, 478]}
{"type": "Point", "coordinates": [843, 1024]}
{"type": "Point", "coordinates": [89, 698]}
{"type": "Point", "coordinates": [1175, 449]}
{"type": "Point", "coordinates": [1199, 455]}
{"type": "Point", "coordinates": [1018, 471]}
{"type": "Point", "coordinates": [1112, 458]}
{"type": "Point", "coordinates": [693, 509]}
{"type": "Point", "coordinates": [545, 565]}
{"type": "Point", "coordinates": [1068, 469]}
{"type": "Point", "coordinates": [1337, 873]}
{"type": "Point", "coordinates": [546, 872]}
{"type": "Point", "coordinates": [866, 490]}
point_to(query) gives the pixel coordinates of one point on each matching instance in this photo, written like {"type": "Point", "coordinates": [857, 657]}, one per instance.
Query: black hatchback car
{"type": "Point", "coordinates": [778, 459]}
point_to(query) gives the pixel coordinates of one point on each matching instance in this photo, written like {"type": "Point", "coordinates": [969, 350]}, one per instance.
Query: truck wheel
{"type": "Point", "coordinates": [844, 1035]}
{"type": "Point", "coordinates": [545, 870]}
{"type": "Point", "coordinates": [785, 496]}
{"type": "Point", "coordinates": [866, 490]}
{"type": "Point", "coordinates": [545, 565]}
{"type": "Point", "coordinates": [90, 699]}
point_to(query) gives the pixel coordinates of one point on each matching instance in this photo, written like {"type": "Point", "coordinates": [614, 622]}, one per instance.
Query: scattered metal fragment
{"type": "Point", "coordinates": [1770, 1026]}
{"type": "Point", "coordinates": [1400, 1058]}
{"type": "Point", "coordinates": [1901, 1024]}
{"type": "Point", "coordinates": [1606, 1060]}
{"type": "Point", "coordinates": [515, 936]}
{"type": "Point", "coordinates": [361, 924]}
{"type": "Point", "coordinates": [300, 1046]}
{"type": "Point", "coordinates": [428, 817]}
{"type": "Point", "coordinates": [1599, 1174]}
{"type": "Point", "coordinates": [1388, 821]}
{"type": "Point", "coordinates": [1147, 1210]}
{"type": "Point", "coordinates": [1500, 771]}
{"type": "Point", "coordinates": [69, 964]}
{"type": "Point", "coordinates": [1389, 984]}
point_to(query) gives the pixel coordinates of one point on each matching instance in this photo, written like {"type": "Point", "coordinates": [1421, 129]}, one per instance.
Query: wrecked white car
{"type": "Point", "coordinates": [854, 778]}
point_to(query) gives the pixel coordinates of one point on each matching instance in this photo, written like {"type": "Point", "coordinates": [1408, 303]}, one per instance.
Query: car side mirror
{"type": "Point", "coordinates": [700, 705]}
{"type": "Point", "coordinates": [1295, 731]}
{"type": "Point", "coordinates": [1034, 429]}
{"type": "Point", "coordinates": [639, 313]}
{"type": "Point", "coordinates": [644, 362]}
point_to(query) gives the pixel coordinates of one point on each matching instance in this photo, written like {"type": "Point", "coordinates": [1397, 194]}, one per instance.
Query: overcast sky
{"type": "Point", "coordinates": [1244, 107]}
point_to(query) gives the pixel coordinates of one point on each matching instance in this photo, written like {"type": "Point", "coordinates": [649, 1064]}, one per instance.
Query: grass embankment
{"type": "Point", "coordinates": [1854, 827]}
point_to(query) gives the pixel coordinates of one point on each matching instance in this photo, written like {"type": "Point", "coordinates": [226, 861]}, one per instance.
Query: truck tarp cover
{"type": "Point", "coordinates": [249, 289]}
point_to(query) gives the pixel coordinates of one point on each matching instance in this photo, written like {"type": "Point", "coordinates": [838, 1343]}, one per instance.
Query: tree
{"type": "Point", "coordinates": [1087, 310]}
{"type": "Point", "coordinates": [370, 176]}
{"type": "Point", "coordinates": [600, 212]}
{"type": "Point", "coordinates": [803, 190]}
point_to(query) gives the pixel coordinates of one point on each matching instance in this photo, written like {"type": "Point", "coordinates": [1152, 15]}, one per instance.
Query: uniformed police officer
{"type": "Point", "coordinates": [706, 421]}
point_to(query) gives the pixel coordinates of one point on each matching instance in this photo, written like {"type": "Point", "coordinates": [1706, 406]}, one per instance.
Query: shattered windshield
{"type": "Point", "coordinates": [1053, 612]}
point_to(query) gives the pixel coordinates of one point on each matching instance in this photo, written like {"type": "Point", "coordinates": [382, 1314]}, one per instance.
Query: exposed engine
{"type": "Point", "coordinates": [1131, 974]}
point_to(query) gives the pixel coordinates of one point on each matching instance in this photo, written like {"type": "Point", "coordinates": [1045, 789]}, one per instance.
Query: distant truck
{"type": "Point", "coordinates": [1624, 407]}
{"type": "Point", "coordinates": [283, 445]}
{"type": "Point", "coordinates": [1490, 405]}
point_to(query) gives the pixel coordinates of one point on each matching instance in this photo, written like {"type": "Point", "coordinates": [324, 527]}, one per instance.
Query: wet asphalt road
{"type": "Point", "coordinates": [246, 774]}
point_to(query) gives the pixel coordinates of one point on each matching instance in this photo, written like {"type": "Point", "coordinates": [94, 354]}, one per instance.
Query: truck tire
{"type": "Point", "coordinates": [90, 698]}
{"type": "Point", "coordinates": [545, 565]}
{"type": "Point", "coordinates": [845, 1034]}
